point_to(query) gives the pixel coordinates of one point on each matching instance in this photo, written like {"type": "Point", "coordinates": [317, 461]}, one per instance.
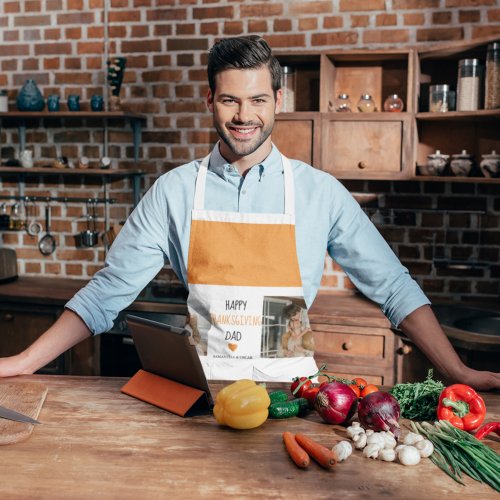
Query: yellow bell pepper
{"type": "Point", "coordinates": [242, 405]}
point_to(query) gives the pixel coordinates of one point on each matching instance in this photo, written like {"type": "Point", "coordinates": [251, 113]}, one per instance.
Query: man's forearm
{"type": "Point", "coordinates": [66, 332]}
{"type": "Point", "coordinates": [422, 327]}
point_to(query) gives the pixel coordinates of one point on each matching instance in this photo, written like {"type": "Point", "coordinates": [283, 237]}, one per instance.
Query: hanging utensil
{"type": "Point", "coordinates": [33, 228]}
{"type": "Point", "coordinates": [47, 244]}
{"type": "Point", "coordinates": [89, 237]}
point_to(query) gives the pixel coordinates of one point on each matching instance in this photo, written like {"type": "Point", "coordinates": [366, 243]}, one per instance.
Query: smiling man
{"type": "Point", "coordinates": [246, 230]}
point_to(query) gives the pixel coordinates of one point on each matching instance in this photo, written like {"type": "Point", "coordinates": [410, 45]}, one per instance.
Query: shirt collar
{"type": "Point", "coordinates": [220, 166]}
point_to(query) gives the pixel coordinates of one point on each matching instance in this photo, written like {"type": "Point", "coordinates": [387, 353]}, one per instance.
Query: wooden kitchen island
{"type": "Point", "coordinates": [95, 442]}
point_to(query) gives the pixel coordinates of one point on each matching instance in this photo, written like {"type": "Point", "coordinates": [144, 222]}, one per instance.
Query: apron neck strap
{"type": "Point", "coordinates": [199, 193]}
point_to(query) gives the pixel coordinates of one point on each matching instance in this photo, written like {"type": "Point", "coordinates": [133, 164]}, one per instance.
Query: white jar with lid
{"type": "Point", "coordinates": [470, 77]}
{"type": "Point", "coordinates": [4, 101]}
{"type": "Point", "coordinates": [288, 89]}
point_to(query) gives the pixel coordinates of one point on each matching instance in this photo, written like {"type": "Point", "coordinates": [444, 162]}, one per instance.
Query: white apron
{"type": "Point", "coordinates": [246, 308]}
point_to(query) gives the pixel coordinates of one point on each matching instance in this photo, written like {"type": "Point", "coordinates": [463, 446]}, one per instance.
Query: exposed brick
{"type": "Point", "coordinates": [332, 22]}
{"type": "Point", "coordinates": [162, 137]}
{"type": "Point", "coordinates": [167, 15]}
{"type": "Point", "coordinates": [330, 280]}
{"type": "Point", "coordinates": [261, 10]}
{"type": "Point", "coordinates": [32, 6]}
{"type": "Point", "coordinates": [120, 4]}
{"type": "Point", "coordinates": [257, 25]}
{"type": "Point", "coordinates": [339, 38]}
{"type": "Point", "coordinates": [308, 24]}
{"type": "Point", "coordinates": [469, 16]}
{"type": "Point", "coordinates": [161, 60]}
{"type": "Point", "coordinates": [386, 20]}
{"type": "Point", "coordinates": [75, 5]}
{"type": "Point", "coordinates": [360, 21]}
{"type": "Point", "coordinates": [117, 32]}
{"type": "Point", "coordinates": [318, 7]}
{"type": "Point", "coordinates": [209, 28]}
{"type": "Point", "coordinates": [443, 17]}
{"type": "Point", "coordinates": [185, 107]}
{"type": "Point", "coordinates": [413, 19]}
{"type": "Point", "coordinates": [386, 36]}
{"type": "Point", "coordinates": [438, 34]}
{"type": "Point", "coordinates": [31, 64]}
{"type": "Point", "coordinates": [469, 3]}
{"type": "Point", "coordinates": [11, 7]}
{"type": "Point", "coordinates": [165, 75]}
{"type": "Point", "coordinates": [52, 48]}
{"type": "Point", "coordinates": [286, 40]}
{"type": "Point", "coordinates": [187, 44]}
{"type": "Point", "coordinates": [141, 46]}
{"type": "Point", "coordinates": [414, 4]}
{"type": "Point", "coordinates": [52, 34]}
{"type": "Point", "coordinates": [73, 33]}
{"type": "Point", "coordinates": [76, 18]}
{"type": "Point", "coordinates": [11, 36]}
{"type": "Point", "coordinates": [480, 31]}
{"type": "Point", "coordinates": [141, 31]}
{"type": "Point", "coordinates": [51, 63]}
{"type": "Point", "coordinates": [214, 13]}
{"type": "Point", "coordinates": [282, 25]}
{"type": "Point", "coordinates": [185, 59]}
{"type": "Point", "coordinates": [493, 15]}
{"type": "Point", "coordinates": [361, 5]}
{"type": "Point", "coordinates": [185, 29]}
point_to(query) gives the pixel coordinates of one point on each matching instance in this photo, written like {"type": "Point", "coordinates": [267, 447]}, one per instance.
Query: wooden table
{"type": "Point", "coordinates": [98, 443]}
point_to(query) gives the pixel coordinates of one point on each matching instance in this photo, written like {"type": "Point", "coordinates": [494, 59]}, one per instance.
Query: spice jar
{"type": "Point", "coordinates": [436, 163]}
{"type": "Point", "coordinates": [288, 89]}
{"type": "Point", "coordinates": [441, 99]}
{"type": "Point", "coordinates": [490, 164]}
{"type": "Point", "coordinates": [470, 74]}
{"type": "Point", "coordinates": [393, 103]}
{"type": "Point", "coordinates": [343, 104]}
{"type": "Point", "coordinates": [366, 104]}
{"type": "Point", "coordinates": [492, 98]}
{"type": "Point", "coordinates": [4, 102]}
{"type": "Point", "coordinates": [461, 164]}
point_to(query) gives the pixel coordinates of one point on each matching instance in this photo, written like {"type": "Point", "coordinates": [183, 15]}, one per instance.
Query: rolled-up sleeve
{"type": "Point", "coordinates": [136, 256]}
{"type": "Point", "coordinates": [357, 246]}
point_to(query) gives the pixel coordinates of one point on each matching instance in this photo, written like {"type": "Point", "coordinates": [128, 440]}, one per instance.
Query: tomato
{"type": "Point", "coordinates": [296, 381]}
{"type": "Point", "coordinates": [310, 395]}
{"type": "Point", "coordinates": [368, 389]}
{"type": "Point", "coordinates": [360, 382]}
{"type": "Point", "coordinates": [356, 389]}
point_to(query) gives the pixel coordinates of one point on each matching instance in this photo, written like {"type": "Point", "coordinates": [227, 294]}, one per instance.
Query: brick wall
{"type": "Point", "coordinates": [60, 43]}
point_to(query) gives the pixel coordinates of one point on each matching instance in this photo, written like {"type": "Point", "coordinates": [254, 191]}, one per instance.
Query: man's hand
{"type": "Point", "coordinates": [10, 367]}
{"type": "Point", "coordinates": [480, 380]}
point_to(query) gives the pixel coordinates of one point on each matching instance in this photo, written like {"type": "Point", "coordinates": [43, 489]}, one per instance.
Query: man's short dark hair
{"type": "Point", "coordinates": [242, 52]}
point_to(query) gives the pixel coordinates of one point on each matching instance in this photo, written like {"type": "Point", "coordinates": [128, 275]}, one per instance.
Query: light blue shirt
{"type": "Point", "coordinates": [327, 219]}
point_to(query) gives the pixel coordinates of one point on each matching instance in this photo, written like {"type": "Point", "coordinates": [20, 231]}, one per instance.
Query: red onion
{"type": "Point", "coordinates": [336, 403]}
{"type": "Point", "coordinates": [379, 411]}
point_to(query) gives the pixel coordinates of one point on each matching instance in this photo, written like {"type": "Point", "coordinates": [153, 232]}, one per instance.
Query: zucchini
{"type": "Point", "coordinates": [278, 396]}
{"type": "Point", "coordinates": [287, 409]}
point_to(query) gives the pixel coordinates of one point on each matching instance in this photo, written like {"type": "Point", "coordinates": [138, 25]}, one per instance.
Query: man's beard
{"type": "Point", "coordinates": [244, 148]}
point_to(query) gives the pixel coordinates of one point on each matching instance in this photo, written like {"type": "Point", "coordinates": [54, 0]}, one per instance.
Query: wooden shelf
{"type": "Point", "coordinates": [72, 114]}
{"type": "Point", "coordinates": [482, 114]}
{"type": "Point", "coordinates": [445, 178]}
{"type": "Point", "coordinates": [69, 171]}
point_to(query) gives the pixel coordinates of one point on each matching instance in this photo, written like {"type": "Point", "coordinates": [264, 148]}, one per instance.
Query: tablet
{"type": "Point", "coordinates": [169, 352]}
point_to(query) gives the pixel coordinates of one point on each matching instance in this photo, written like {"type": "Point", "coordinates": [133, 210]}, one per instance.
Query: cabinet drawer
{"type": "Point", "coordinates": [362, 147]}
{"type": "Point", "coordinates": [349, 344]}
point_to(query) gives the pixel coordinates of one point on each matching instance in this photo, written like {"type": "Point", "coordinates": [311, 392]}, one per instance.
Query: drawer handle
{"type": "Point", "coordinates": [406, 349]}
{"type": "Point", "coordinates": [362, 164]}
{"type": "Point", "coordinates": [8, 317]}
{"type": "Point", "coordinates": [346, 346]}
{"type": "Point", "coordinates": [127, 341]}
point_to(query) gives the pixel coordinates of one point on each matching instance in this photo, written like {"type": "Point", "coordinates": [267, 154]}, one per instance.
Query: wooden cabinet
{"type": "Point", "coordinates": [382, 145]}
{"type": "Point", "coordinates": [353, 338]}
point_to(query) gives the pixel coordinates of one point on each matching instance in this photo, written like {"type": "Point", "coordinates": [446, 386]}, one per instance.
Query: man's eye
{"type": "Point", "coordinates": [259, 101]}
{"type": "Point", "coordinates": [228, 101]}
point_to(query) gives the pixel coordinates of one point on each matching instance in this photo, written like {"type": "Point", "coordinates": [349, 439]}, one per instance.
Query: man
{"type": "Point", "coordinates": [246, 231]}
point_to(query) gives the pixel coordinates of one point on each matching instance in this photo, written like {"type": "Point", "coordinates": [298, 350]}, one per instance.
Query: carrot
{"type": "Point", "coordinates": [297, 454]}
{"type": "Point", "coordinates": [322, 455]}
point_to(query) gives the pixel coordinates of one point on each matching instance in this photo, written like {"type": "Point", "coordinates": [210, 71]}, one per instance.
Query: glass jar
{"type": "Point", "coordinates": [393, 104]}
{"type": "Point", "coordinates": [441, 99]}
{"type": "Point", "coordinates": [343, 104]}
{"type": "Point", "coordinates": [288, 89]}
{"type": "Point", "coordinates": [366, 104]}
{"type": "Point", "coordinates": [470, 74]}
{"type": "Point", "coordinates": [492, 87]}
{"type": "Point", "coordinates": [461, 164]}
{"type": "Point", "coordinates": [4, 101]}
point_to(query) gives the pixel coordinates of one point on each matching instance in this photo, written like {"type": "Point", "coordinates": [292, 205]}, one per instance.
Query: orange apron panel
{"type": "Point", "coordinates": [240, 254]}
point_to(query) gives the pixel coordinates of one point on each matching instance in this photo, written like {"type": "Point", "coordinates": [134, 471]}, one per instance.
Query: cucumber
{"type": "Point", "coordinates": [287, 409]}
{"type": "Point", "coordinates": [278, 396]}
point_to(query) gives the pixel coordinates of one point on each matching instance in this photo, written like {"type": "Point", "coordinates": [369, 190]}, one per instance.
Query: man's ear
{"type": "Point", "coordinates": [279, 101]}
{"type": "Point", "coordinates": [210, 101]}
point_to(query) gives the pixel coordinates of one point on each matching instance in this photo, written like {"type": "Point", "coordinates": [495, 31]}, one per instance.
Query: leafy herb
{"type": "Point", "coordinates": [418, 401]}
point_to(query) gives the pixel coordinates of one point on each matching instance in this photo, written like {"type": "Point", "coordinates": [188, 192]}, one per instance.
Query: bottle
{"type": "Point", "coordinates": [441, 99]}
{"type": "Point", "coordinates": [492, 98]}
{"type": "Point", "coordinates": [393, 103]}
{"type": "Point", "coordinates": [366, 104]}
{"type": "Point", "coordinates": [4, 217]}
{"type": "Point", "coordinates": [469, 85]}
{"type": "Point", "coordinates": [288, 89]}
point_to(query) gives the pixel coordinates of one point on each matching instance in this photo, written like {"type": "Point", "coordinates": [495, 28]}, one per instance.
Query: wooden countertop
{"type": "Point", "coordinates": [96, 442]}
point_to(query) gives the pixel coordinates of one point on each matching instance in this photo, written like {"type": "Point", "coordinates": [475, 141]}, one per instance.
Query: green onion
{"type": "Point", "coordinates": [457, 451]}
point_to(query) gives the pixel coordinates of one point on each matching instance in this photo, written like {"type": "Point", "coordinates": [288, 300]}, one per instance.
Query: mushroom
{"type": "Point", "coordinates": [425, 447]}
{"type": "Point", "coordinates": [360, 441]}
{"type": "Point", "coordinates": [372, 451]}
{"type": "Point", "coordinates": [390, 441]}
{"type": "Point", "coordinates": [342, 450]}
{"type": "Point", "coordinates": [387, 454]}
{"type": "Point", "coordinates": [409, 455]}
{"type": "Point", "coordinates": [411, 438]}
{"type": "Point", "coordinates": [355, 429]}
{"type": "Point", "coordinates": [376, 438]}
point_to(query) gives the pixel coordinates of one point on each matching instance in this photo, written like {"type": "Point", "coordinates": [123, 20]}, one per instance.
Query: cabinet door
{"type": "Point", "coordinates": [355, 147]}
{"type": "Point", "coordinates": [21, 327]}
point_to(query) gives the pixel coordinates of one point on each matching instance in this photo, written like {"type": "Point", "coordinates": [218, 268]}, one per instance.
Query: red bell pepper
{"type": "Point", "coordinates": [462, 406]}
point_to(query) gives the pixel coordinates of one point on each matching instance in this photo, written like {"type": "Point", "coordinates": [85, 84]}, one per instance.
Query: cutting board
{"type": "Point", "coordinates": [24, 397]}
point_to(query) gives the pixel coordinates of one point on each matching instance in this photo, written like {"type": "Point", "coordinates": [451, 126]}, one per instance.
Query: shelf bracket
{"type": "Point", "coordinates": [136, 129]}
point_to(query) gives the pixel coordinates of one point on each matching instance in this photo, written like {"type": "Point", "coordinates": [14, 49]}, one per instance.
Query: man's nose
{"type": "Point", "coordinates": [243, 114]}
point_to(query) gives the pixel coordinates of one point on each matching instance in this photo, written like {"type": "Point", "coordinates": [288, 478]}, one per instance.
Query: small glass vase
{"type": "Point", "coordinates": [366, 104]}
{"type": "Point", "coordinates": [30, 98]}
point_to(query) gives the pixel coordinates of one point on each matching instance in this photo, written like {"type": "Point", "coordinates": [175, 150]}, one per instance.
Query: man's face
{"type": "Point", "coordinates": [243, 108]}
